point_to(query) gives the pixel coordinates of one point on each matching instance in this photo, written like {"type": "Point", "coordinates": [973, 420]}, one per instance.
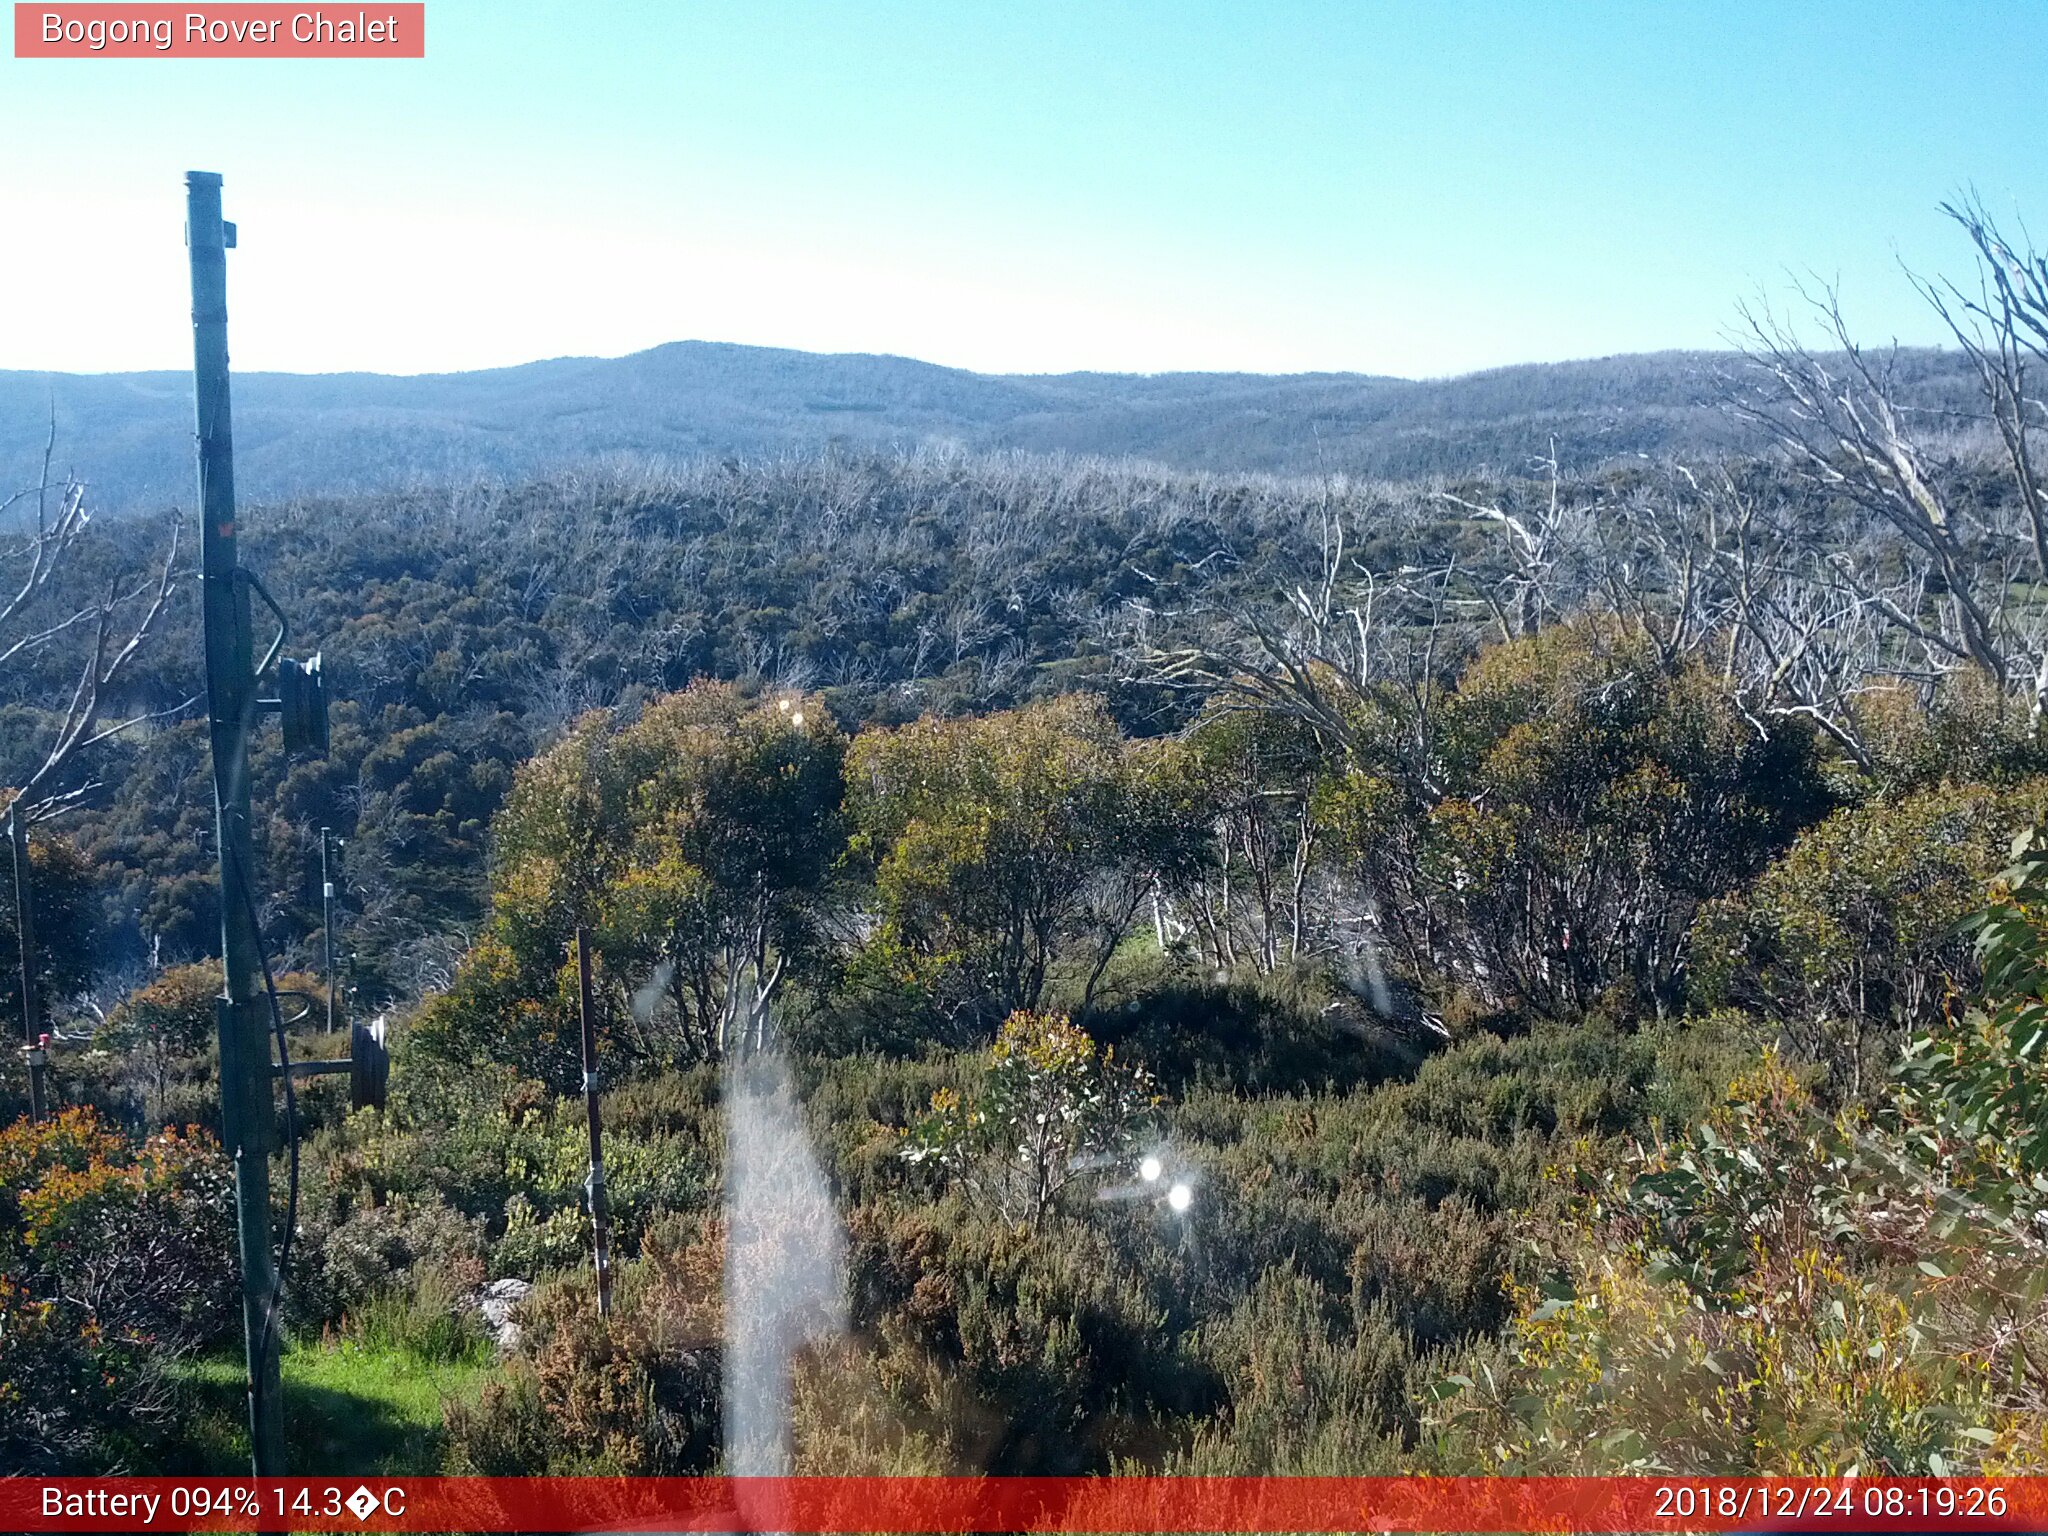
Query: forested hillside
{"type": "Point", "coordinates": [340, 433]}
{"type": "Point", "coordinates": [1530, 972]}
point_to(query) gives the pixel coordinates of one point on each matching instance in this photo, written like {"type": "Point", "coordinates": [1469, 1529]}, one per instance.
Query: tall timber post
{"type": "Point", "coordinates": [248, 1112]}
{"type": "Point", "coordinates": [37, 1050]}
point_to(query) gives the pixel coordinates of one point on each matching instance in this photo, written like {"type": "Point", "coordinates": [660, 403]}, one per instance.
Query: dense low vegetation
{"type": "Point", "coordinates": [1258, 976]}
{"type": "Point", "coordinates": [1409, 1198]}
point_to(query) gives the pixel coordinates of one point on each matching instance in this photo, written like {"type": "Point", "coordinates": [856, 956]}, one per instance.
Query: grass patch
{"type": "Point", "coordinates": [350, 1408]}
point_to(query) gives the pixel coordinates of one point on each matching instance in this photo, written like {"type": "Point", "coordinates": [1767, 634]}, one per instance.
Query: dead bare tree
{"type": "Point", "coordinates": [1661, 558]}
{"type": "Point", "coordinates": [1345, 649]}
{"type": "Point", "coordinates": [1956, 585]}
{"type": "Point", "coordinates": [119, 622]}
{"type": "Point", "coordinates": [1708, 570]}
{"type": "Point", "coordinates": [2003, 329]}
{"type": "Point", "coordinates": [1546, 571]}
{"type": "Point", "coordinates": [1840, 420]}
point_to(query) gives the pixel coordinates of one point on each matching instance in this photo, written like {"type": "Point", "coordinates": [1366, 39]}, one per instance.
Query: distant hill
{"type": "Point", "coordinates": [130, 433]}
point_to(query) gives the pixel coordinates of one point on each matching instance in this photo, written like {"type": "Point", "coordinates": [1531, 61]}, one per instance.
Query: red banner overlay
{"type": "Point", "coordinates": [376, 30]}
{"type": "Point", "coordinates": [1145, 1506]}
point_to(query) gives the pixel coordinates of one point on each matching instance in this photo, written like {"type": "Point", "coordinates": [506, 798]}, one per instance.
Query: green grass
{"type": "Point", "coordinates": [350, 1408]}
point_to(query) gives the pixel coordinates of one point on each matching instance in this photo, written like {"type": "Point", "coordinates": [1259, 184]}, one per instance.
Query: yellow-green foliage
{"type": "Point", "coordinates": [1784, 1291]}
{"type": "Point", "coordinates": [1050, 1111]}
{"type": "Point", "coordinates": [1543, 833]}
{"type": "Point", "coordinates": [693, 842]}
{"type": "Point", "coordinates": [1970, 730]}
{"type": "Point", "coordinates": [1852, 940]}
{"type": "Point", "coordinates": [997, 841]}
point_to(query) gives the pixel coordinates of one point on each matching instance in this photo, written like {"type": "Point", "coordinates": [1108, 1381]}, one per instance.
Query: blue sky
{"type": "Point", "coordinates": [1401, 188]}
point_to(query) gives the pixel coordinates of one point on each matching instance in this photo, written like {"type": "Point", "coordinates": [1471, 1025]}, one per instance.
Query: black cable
{"type": "Point", "coordinates": [231, 848]}
{"type": "Point", "coordinates": [291, 1130]}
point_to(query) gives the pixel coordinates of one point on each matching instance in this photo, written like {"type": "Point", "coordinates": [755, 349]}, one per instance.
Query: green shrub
{"type": "Point", "coordinates": [165, 1027]}
{"type": "Point", "coordinates": [1851, 942]}
{"type": "Point", "coordinates": [635, 1394]}
{"type": "Point", "coordinates": [340, 1266]}
{"type": "Point", "coordinates": [1576, 798]}
{"type": "Point", "coordinates": [1753, 1299]}
{"type": "Point", "coordinates": [428, 1320]}
{"type": "Point", "coordinates": [115, 1260]}
{"type": "Point", "coordinates": [1970, 731]}
{"type": "Point", "coordinates": [1000, 843]}
{"type": "Point", "coordinates": [1289, 1031]}
{"type": "Point", "coordinates": [533, 1244]}
{"type": "Point", "coordinates": [66, 927]}
{"type": "Point", "coordinates": [1792, 1289]}
{"type": "Point", "coordinates": [1064, 1343]}
{"type": "Point", "coordinates": [1315, 1388]}
{"type": "Point", "coordinates": [1049, 1115]}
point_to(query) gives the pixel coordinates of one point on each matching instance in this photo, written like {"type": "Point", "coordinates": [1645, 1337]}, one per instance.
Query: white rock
{"type": "Point", "coordinates": [496, 1302]}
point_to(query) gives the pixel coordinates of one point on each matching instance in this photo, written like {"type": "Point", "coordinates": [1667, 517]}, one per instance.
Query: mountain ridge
{"type": "Point", "coordinates": [129, 434]}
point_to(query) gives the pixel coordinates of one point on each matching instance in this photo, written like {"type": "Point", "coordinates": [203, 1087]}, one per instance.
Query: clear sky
{"type": "Point", "coordinates": [1023, 185]}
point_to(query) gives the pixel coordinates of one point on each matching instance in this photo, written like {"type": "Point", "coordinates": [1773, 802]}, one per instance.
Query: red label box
{"type": "Point", "coordinates": [104, 30]}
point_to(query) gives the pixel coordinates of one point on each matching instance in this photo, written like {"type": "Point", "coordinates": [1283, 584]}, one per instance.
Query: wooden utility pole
{"type": "Point", "coordinates": [248, 1110]}
{"type": "Point", "coordinates": [37, 1044]}
{"type": "Point", "coordinates": [600, 1216]}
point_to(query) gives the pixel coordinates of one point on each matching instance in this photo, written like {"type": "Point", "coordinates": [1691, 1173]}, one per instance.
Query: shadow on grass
{"type": "Point", "coordinates": [348, 1411]}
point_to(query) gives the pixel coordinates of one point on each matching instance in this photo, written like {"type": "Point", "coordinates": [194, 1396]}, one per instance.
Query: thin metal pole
{"type": "Point", "coordinates": [327, 923]}
{"type": "Point", "coordinates": [31, 990]}
{"type": "Point", "coordinates": [600, 1218]}
{"type": "Point", "coordinates": [248, 1109]}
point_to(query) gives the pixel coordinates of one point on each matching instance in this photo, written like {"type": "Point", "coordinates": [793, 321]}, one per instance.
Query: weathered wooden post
{"type": "Point", "coordinates": [600, 1217]}
{"type": "Point", "coordinates": [247, 1109]}
{"type": "Point", "coordinates": [36, 1046]}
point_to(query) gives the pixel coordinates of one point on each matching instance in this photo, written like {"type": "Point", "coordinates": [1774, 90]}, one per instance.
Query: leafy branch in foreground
{"type": "Point", "coordinates": [1791, 1290]}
